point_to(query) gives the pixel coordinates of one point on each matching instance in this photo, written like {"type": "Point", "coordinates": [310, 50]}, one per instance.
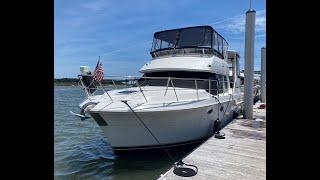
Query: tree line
{"type": "Point", "coordinates": [74, 81]}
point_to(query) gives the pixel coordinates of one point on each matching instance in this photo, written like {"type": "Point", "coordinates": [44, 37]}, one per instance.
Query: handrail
{"type": "Point", "coordinates": [141, 91]}
{"type": "Point", "coordinates": [114, 84]}
{"type": "Point", "coordinates": [145, 77]}
{"type": "Point", "coordinates": [165, 93]}
{"type": "Point", "coordinates": [217, 88]}
{"type": "Point", "coordinates": [174, 89]}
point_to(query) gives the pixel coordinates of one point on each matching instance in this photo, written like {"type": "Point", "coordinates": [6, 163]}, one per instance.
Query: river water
{"type": "Point", "coordinates": [82, 152]}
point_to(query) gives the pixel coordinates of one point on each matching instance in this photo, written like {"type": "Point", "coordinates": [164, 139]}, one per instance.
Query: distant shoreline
{"type": "Point", "coordinates": [75, 81]}
{"type": "Point", "coordinates": [65, 85]}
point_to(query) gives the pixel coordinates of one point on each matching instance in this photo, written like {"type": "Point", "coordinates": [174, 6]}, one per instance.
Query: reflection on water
{"type": "Point", "coordinates": [81, 152]}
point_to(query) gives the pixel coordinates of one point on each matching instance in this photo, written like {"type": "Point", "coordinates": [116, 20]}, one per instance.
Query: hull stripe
{"type": "Point", "coordinates": [100, 121]}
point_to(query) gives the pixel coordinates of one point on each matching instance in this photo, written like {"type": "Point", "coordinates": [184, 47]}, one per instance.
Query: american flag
{"type": "Point", "coordinates": [98, 72]}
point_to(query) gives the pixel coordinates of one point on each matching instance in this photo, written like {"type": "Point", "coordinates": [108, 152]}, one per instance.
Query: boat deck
{"type": "Point", "coordinates": [185, 98]}
{"type": "Point", "coordinates": [241, 155]}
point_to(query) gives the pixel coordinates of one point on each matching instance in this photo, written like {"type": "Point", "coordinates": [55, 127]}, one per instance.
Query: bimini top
{"type": "Point", "coordinates": [190, 40]}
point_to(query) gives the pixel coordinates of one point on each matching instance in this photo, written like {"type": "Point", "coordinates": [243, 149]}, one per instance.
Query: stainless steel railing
{"type": "Point", "coordinates": [214, 87]}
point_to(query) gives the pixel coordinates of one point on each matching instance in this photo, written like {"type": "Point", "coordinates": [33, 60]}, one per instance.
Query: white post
{"type": "Point", "coordinates": [234, 71]}
{"type": "Point", "coordinates": [263, 74]}
{"type": "Point", "coordinates": [238, 71]}
{"type": "Point", "coordinates": [249, 63]}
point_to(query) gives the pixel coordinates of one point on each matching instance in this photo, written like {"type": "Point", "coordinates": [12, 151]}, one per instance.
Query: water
{"type": "Point", "coordinates": [82, 152]}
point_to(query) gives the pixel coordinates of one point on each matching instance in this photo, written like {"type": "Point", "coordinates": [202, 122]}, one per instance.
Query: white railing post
{"type": "Point", "coordinates": [195, 81]}
{"type": "Point", "coordinates": [224, 87]}
{"type": "Point", "coordinates": [210, 87]}
{"type": "Point", "coordinates": [174, 90]}
{"type": "Point", "coordinates": [141, 91]}
{"type": "Point", "coordinates": [114, 84]}
{"type": "Point", "coordinates": [218, 86]}
{"type": "Point", "coordinates": [105, 92]}
{"type": "Point", "coordinates": [165, 93]}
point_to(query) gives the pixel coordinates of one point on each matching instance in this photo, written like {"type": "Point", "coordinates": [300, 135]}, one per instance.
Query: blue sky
{"type": "Point", "coordinates": [121, 31]}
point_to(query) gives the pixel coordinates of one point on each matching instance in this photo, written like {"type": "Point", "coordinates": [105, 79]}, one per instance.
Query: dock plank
{"type": "Point", "coordinates": [241, 155]}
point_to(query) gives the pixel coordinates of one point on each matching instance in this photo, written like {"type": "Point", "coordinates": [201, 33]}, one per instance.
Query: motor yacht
{"type": "Point", "coordinates": [184, 89]}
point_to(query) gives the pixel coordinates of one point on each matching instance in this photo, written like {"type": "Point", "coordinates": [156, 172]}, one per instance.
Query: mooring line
{"type": "Point", "coordinates": [170, 156]}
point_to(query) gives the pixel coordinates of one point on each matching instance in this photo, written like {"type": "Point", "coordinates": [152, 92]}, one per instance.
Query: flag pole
{"type": "Point", "coordinates": [105, 92]}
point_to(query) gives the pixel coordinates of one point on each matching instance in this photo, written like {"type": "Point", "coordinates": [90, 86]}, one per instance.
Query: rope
{"type": "Point", "coordinates": [177, 165]}
{"type": "Point", "coordinates": [165, 150]}
{"type": "Point", "coordinates": [227, 106]}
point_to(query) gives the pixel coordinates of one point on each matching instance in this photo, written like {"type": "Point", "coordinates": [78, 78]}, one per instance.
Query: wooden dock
{"type": "Point", "coordinates": [241, 155]}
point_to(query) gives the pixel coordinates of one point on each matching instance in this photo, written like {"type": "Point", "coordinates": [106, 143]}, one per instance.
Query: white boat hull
{"type": "Point", "coordinates": [124, 131]}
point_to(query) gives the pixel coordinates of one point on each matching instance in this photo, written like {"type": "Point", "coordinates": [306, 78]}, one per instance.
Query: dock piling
{"type": "Point", "coordinates": [249, 63]}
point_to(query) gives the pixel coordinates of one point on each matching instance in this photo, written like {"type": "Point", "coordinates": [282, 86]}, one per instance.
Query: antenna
{"type": "Point", "coordinates": [250, 4]}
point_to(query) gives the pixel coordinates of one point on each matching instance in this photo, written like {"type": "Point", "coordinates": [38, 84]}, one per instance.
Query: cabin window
{"type": "Point", "coordinates": [215, 41]}
{"type": "Point", "coordinates": [162, 80]}
{"type": "Point", "coordinates": [220, 78]}
{"type": "Point", "coordinates": [220, 46]}
{"type": "Point", "coordinates": [223, 83]}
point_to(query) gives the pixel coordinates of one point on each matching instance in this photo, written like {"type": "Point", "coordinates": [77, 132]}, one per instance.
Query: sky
{"type": "Point", "coordinates": [121, 32]}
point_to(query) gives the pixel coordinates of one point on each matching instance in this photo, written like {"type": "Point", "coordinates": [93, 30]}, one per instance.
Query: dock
{"type": "Point", "coordinates": [241, 155]}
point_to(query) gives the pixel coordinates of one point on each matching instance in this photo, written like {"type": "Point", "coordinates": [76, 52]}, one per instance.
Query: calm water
{"type": "Point", "coordinates": [82, 152]}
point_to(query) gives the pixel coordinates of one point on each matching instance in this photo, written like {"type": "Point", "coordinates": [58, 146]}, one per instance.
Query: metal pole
{"type": "Point", "coordinates": [165, 93]}
{"type": "Point", "coordinates": [174, 89]}
{"type": "Point", "coordinates": [234, 70]}
{"type": "Point", "coordinates": [105, 91]}
{"type": "Point", "coordinates": [223, 87]}
{"type": "Point", "coordinates": [263, 75]}
{"type": "Point", "coordinates": [218, 86]}
{"type": "Point", "coordinates": [195, 81]}
{"type": "Point", "coordinates": [249, 63]}
{"type": "Point", "coordinates": [114, 84]}
{"type": "Point", "coordinates": [142, 91]}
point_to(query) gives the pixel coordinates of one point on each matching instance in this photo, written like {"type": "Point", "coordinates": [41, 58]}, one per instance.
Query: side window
{"type": "Point", "coordinates": [215, 41]}
{"type": "Point", "coordinates": [214, 84]}
{"type": "Point", "coordinates": [220, 77]}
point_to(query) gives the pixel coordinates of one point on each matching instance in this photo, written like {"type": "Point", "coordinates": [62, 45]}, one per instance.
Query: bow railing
{"type": "Point", "coordinates": [213, 87]}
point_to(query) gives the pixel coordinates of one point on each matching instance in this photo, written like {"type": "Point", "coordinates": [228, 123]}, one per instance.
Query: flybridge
{"type": "Point", "coordinates": [190, 40]}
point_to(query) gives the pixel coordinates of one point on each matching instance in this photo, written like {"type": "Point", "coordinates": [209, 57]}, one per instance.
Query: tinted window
{"type": "Point", "coordinates": [203, 37]}
{"type": "Point", "coordinates": [201, 84]}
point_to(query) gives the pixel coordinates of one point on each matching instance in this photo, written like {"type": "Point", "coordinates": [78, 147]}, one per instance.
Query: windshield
{"type": "Point", "coordinates": [192, 37]}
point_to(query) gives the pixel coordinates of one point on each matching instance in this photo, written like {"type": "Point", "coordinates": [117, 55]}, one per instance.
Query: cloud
{"type": "Point", "coordinates": [75, 41]}
{"type": "Point", "coordinates": [120, 33]}
{"type": "Point", "coordinates": [236, 24]}
{"type": "Point", "coordinates": [95, 5]}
